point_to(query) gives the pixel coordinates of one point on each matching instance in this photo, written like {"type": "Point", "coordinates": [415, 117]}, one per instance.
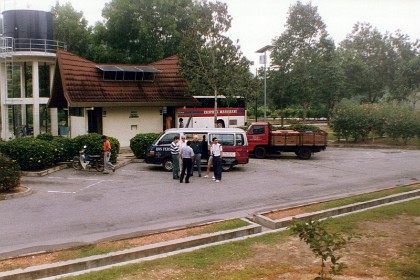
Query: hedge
{"type": "Point", "coordinates": [45, 136]}
{"type": "Point", "coordinates": [304, 127]}
{"type": "Point", "coordinates": [64, 148]}
{"type": "Point", "coordinates": [30, 153]}
{"type": "Point", "coordinates": [9, 174]}
{"type": "Point", "coordinates": [141, 143]}
{"type": "Point", "coordinates": [357, 121]}
{"type": "Point", "coordinates": [94, 145]}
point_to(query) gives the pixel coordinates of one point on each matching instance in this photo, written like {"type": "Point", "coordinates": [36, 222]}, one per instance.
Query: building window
{"type": "Point", "coordinates": [77, 111]}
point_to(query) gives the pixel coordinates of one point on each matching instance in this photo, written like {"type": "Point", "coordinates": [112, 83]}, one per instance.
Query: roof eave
{"type": "Point", "coordinates": [132, 104]}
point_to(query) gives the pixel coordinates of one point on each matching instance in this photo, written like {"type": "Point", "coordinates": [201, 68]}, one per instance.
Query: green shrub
{"type": "Point", "coordinates": [94, 145]}
{"type": "Point", "coordinates": [357, 121]}
{"type": "Point", "coordinates": [401, 123]}
{"type": "Point", "coordinates": [304, 127]}
{"type": "Point", "coordinates": [352, 121]}
{"type": "Point", "coordinates": [323, 245]}
{"type": "Point", "coordinates": [9, 174]}
{"type": "Point", "coordinates": [64, 149]}
{"type": "Point", "coordinates": [2, 143]}
{"type": "Point", "coordinates": [141, 143]}
{"type": "Point", "coordinates": [30, 153]}
{"type": "Point", "coordinates": [45, 136]}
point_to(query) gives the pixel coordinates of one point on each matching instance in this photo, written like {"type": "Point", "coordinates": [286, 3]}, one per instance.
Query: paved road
{"type": "Point", "coordinates": [75, 207]}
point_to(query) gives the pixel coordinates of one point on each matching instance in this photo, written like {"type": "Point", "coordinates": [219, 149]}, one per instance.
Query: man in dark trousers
{"type": "Point", "coordinates": [196, 147]}
{"type": "Point", "coordinates": [175, 157]}
{"type": "Point", "coordinates": [217, 153]}
{"type": "Point", "coordinates": [187, 156]}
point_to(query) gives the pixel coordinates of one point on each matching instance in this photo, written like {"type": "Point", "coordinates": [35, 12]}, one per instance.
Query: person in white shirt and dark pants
{"type": "Point", "coordinates": [217, 153]}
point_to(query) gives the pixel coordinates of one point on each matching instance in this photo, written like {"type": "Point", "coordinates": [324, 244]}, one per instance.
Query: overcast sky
{"type": "Point", "coordinates": [257, 22]}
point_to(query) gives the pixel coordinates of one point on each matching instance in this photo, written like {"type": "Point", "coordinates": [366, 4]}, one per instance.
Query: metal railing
{"type": "Point", "coordinates": [9, 44]}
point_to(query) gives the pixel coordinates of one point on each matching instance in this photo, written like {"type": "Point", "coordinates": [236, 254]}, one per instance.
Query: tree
{"type": "Point", "coordinates": [302, 52]}
{"type": "Point", "coordinates": [279, 91]}
{"type": "Point", "coordinates": [71, 28]}
{"type": "Point", "coordinates": [210, 61]}
{"type": "Point", "coordinates": [406, 81]}
{"type": "Point", "coordinates": [367, 65]}
{"type": "Point", "coordinates": [142, 31]}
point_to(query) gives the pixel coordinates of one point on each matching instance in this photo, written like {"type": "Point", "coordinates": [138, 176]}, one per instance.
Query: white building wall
{"type": "Point", "coordinates": [78, 126]}
{"type": "Point", "coordinates": [124, 123]}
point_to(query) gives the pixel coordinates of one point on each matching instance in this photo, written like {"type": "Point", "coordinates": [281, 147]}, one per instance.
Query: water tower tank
{"type": "Point", "coordinates": [27, 26]}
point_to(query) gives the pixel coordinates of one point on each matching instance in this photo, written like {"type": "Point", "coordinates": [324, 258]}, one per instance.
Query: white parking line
{"type": "Point", "coordinates": [61, 192]}
{"type": "Point", "coordinates": [74, 178]}
{"type": "Point", "coordinates": [91, 185]}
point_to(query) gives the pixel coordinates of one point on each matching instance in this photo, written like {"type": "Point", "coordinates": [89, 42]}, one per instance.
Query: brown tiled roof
{"type": "Point", "coordinates": [79, 83]}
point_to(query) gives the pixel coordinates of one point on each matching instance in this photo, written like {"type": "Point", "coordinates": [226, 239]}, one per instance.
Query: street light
{"type": "Point", "coordinates": [264, 58]}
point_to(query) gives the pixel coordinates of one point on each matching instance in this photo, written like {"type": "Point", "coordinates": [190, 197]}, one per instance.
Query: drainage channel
{"type": "Point", "coordinates": [258, 225]}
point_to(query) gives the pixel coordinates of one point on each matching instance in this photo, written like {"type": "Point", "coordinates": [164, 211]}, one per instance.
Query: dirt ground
{"type": "Point", "coordinates": [292, 260]}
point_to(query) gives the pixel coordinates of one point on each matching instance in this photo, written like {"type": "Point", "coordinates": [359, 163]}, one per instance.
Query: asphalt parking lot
{"type": "Point", "coordinates": [72, 207]}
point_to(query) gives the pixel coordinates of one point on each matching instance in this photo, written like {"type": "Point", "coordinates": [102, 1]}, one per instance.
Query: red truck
{"type": "Point", "coordinates": [263, 140]}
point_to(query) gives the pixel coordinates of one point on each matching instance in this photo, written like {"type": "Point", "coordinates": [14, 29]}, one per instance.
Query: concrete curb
{"type": "Point", "coordinates": [27, 192]}
{"type": "Point", "coordinates": [367, 146]}
{"type": "Point", "coordinates": [287, 221]}
{"type": "Point", "coordinates": [46, 171]}
{"type": "Point", "coordinates": [125, 161]}
{"type": "Point", "coordinates": [60, 268]}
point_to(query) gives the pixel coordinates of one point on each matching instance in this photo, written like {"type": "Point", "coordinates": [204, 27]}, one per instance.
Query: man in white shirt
{"type": "Point", "coordinates": [187, 156]}
{"type": "Point", "coordinates": [181, 144]}
{"type": "Point", "coordinates": [217, 153]}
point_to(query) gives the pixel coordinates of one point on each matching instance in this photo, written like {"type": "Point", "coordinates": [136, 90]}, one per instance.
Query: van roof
{"type": "Point", "coordinates": [201, 130]}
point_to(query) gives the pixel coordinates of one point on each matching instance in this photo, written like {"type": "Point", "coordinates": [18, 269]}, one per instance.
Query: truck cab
{"type": "Point", "coordinates": [263, 140]}
{"type": "Point", "coordinates": [258, 135]}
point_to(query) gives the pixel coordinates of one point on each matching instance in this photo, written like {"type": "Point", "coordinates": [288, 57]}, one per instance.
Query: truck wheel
{"type": "Point", "coordinates": [304, 153]}
{"type": "Point", "coordinates": [76, 163]}
{"type": "Point", "coordinates": [227, 167]}
{"type": "Point", "coordinates": [259, 152]}
{"type": "Point", "coordinates": [167, 164]}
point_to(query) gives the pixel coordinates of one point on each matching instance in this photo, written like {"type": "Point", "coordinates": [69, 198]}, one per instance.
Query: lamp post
{"type": "Point", "coordinates": [264, 57]}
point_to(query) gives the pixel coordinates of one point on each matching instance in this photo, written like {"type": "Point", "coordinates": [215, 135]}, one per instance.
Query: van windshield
{"type": "Point", "coordinates": [167, 139]}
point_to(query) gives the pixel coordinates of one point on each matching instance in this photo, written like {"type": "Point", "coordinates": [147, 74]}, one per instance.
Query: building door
{"type": "Point", "coordinates": [95, 120]}
{"type": "Point", "coordinates": [168, 118]}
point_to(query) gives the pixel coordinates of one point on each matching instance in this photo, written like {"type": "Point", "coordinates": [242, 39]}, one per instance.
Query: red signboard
{"type": "Point", "coordinates": [209, 112]}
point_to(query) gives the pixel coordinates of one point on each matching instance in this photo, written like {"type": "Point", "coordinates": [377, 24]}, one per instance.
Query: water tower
{"type": "Point", "coordinates": [27, 65]}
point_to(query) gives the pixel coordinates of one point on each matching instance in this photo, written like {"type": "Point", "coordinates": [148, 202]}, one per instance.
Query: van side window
{"type": "Point", "coordinates": [167, 139]}
{"type": "Point", "coordinates": [239, 139]}
{"type": "Point", "coordinates": [224, 139]}
{"type": "Point", "coordinates": [258, 129]}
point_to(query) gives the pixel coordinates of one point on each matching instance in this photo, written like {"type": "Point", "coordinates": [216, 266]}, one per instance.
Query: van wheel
{"type": "Point", "coordinates": [167, 164]}
{"type": "Point", "coordinates": [259, 152]}
{"type": "Point", "coordinates": [304, 153]}
{"type": "Point", "coordinates": [227, 167]}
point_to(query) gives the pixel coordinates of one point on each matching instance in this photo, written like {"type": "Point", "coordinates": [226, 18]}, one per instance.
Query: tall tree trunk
{"type": "Point", "coordinates": [215, 108]}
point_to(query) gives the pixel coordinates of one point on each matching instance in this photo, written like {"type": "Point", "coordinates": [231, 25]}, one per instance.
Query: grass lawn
{"type": "Point", "coordinates": [388, 247]}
